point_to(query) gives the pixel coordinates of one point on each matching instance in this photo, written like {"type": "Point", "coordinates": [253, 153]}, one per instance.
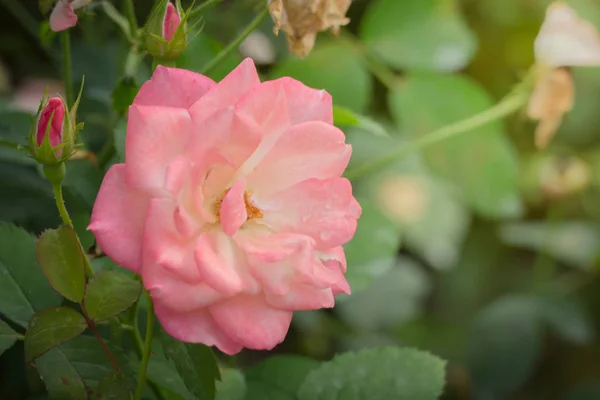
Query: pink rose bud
{"type": "Point", "coordinates": [51, 122]}
{"type": "Point", "coordinates": [166, 35]}
{"type": "Point", "coordinates": [171, 22]}
{"type": "Point", "coordinates": [52, 136]}
{"type": "Point", "coordinates": [63, 15]}
{"type": "Point", "coordinates": [231, 205]}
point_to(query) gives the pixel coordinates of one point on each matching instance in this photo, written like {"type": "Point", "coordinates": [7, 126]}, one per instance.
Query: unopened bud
{"type": "Point", "coordinates": [52, 136]}
{"type": "Point", "coordinates": [165, 34]}
{"type": "Point", "coordinates": [51, 123]}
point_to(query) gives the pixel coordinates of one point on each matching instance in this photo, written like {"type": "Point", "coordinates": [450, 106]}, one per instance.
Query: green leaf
{"type": "Point", "coordinates": [575, 243]}
{"type": "Point", "coordinates": [84, 357]}
{"type": "Point", "coordinates": [61, 259]}
{"type": "Point", "coordinates": [481, 162]}
{"type": "Point", "coordinates": [504, 346]}
{"type": "Point", "coordinates": [331, 66]}
{"type": "Point", "coordinates": [423, 34]}
{"type": "Point", "coordinates": [376, 374]}
{"type": "Point", "coordinates": [278, 378]}
{"type": "Point", "coordinates": [343, 116]}
{"type": "Point", "coordinates": [51, 327]}
{"type": "Point", "coordinates": [82, 182]}
{"type": "Point", "coordinates": [162, 373]}
{"type": "Point", "coordinates": [81, 221]}
{"type": "Point", "coordinates": [60, 377]}
{"type": "Point", "coordinates": [372, 251]}
{"type": "Point", "coordinates": [232, 385]}
{"type": "Point", "coordinates": [7, 336]}
{"type": "Point", "coordinates": [196, 365]}
{"type": "Point", "coordinates": [23, 287]}
{"type": "Point", "coordinates": [109, 293]}
{"type": "Point", "coordinates": [124, 93]}
{"type": "Point", "coordinates": [114, 387]}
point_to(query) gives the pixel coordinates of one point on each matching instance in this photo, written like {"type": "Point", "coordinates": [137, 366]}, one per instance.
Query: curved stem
{"type": "Point", "coordinates": [235, 43]}
{"type": "Point", "coordinates": [147, 348]}
{"type": "Point", "coordinates": [67, 75]}
{"type": "Point", "coordinates": [203, 7]}
{"type": "Point", "coordinates": [64, 215]}
{"type": "Point", "coordinates": [505, 107]}
{"type": "Point", "coordinates": [60, 204]}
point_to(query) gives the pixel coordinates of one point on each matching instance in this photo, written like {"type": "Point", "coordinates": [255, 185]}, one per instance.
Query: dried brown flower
{"type": "Point", "coordinates": [552, 98]}
{"type": "Point", "coordinates": [301, 20]}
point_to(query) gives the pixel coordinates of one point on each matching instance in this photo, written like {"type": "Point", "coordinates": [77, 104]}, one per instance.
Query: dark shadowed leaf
{"type": "Point", "coordinates": [23, 287]}
{"type": "Point", "coordinates": [114, 387]}
{"type": "Point", "coordinates": [61, 259]}
{"type": "Point", "coordinates": [162, 373]}
{"type": "Point", "coordinates": [7, 336]}
{"type": "Point", "coordinates": [504, 345]}
{"type": "Point", "coordinates": [49, 328]}
{"type": "Point", "coordinates": [61, 379]}
{"type": "Point", "coordinates": [109, 293]}
{"type": "Point", "coordinates": [196, 365]}
{"type": "Point", "coordinates": [124, 93]}
{"type": "Point", "coordinates": [84, 357]}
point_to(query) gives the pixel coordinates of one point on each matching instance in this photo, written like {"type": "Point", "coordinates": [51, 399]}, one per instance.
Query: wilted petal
{"type": "Point", "coordinates": [567, 40]}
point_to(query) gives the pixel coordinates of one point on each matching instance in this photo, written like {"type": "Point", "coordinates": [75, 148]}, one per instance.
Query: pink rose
{"type": "Point", "coordinates": [230, 205]}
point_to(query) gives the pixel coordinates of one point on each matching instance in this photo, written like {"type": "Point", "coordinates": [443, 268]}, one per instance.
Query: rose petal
{"type": "Point", "coordinates": [302, 297]}
{"type": "Point", "coordinates": [225, 134]}
{"type": "Point", "coordinates": [173, 87]}
{"type": "Point", "coordinates": [227, 92]}
{"type": "Point", "coordinates": [196, 327]}
{"type": "Point", "coordinates": [233, 212]}
{"type": "Point", "coordinates": [250, 321]}
{"type": "Point", "coordinates": [175, 293]}
{"type": "Point", "coordinates": [303, 103]}
{"type": "Point", "coordinates": [309, 150]}
{"type": "Point", "coordinates": [155, 136]}
{"type": "Point", "coordinates": [118, 202]}
{"type": "Point", "coordinates": [164, 244]}
{"type": "Point", "coordinates": [222, 265]}
{"type": "Point", "coordinates": [322, 209]}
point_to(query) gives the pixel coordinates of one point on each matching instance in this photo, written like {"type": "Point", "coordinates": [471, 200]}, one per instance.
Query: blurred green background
{"type": "Point", "coordinates": [480, 249]}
